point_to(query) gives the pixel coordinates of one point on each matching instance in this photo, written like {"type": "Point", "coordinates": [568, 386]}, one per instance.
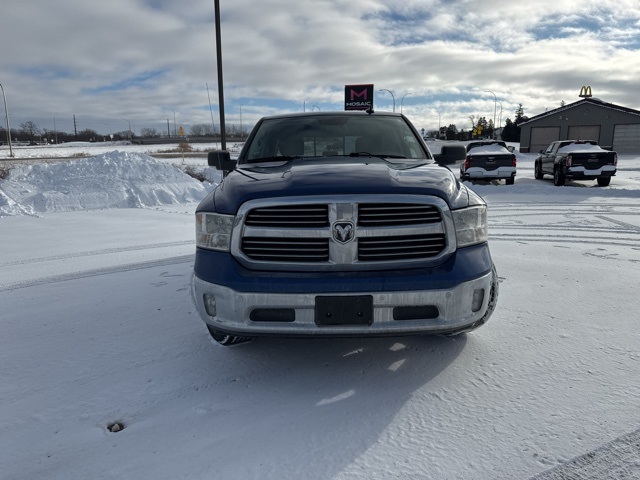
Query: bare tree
{"type": "Point", "coordinates": [149, 133]}
{"type": "Point", "coordinates": [30, 130]}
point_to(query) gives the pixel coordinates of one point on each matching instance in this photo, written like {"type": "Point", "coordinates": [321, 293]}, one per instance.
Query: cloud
{"type": "Point", "coordinates": [149, 59]}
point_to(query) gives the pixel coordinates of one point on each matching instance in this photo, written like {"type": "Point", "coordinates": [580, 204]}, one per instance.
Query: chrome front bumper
{"type": "Point", "coordinates": [233, 310]}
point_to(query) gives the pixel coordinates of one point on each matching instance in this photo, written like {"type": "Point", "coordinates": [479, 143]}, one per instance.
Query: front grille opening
{"type": "Point", "coordinates": [420, 312]}
{"type": "Point", "coordinates": [290, 216]}
{"type": "Point", "coordinates": [400, 248]}
{"type": "Point", "coordinates": [286, 249]}
{"type": "Point", "coordinates": [273, 315]}
{"type": "Point", "coordinates": [395, 214]}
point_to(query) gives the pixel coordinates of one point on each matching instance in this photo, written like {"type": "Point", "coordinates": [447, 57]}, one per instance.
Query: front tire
{"type": "Point", "coordinates": [604, 181]}
{"type": "Point", "coordinates": [559, 177]}
{"type": "Point", "coordinates": [537, 171]}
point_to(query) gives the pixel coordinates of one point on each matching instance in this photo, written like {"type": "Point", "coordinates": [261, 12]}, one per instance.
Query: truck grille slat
{"type": "Point", "coordinates": [286, 249]}
{"type": "Point", "coordinates": [297, 216]}
{"type": "Point", "coordinates": [385, 248]}
{"type": "Point", "coordinates": [393, 214]}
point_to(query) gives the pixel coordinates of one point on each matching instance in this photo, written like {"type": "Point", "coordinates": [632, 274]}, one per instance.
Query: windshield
{"type": "Point", "coordinates": [334, 135]}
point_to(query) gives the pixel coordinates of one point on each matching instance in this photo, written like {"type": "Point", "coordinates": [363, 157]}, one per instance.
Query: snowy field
{"type": "Point", "coordinates": [97, 326]}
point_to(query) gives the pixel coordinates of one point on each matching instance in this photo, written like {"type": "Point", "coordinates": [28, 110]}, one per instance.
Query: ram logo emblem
{"type": "Point", "coordinates": [343, 232]}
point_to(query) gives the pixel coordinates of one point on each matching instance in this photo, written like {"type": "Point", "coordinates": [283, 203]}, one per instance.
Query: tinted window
{"type": "Point", "coordinates": [329, 135]}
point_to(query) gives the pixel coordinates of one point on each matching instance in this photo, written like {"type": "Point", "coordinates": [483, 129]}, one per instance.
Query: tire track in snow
{"type": "Point", "coordinates": [91, 253]}
{"type": "Point", "coordinates": [608, 224]}
{"type": "Point", "coordinates": [97, 271]}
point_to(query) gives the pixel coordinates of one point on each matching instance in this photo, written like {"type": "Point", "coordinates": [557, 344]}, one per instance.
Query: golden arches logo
{"type": "Point", "coordinates": [585, 91]}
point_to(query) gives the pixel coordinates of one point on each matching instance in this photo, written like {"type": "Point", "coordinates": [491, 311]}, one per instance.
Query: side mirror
{"type": "Point", "coordinates": [511, 148]}
{"type": "Point", "coordinates": [221, 160]}
{"type": "Point", "coordinates": [450, 154]}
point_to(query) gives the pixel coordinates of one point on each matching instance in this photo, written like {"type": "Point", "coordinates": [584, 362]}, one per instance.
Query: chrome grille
{"type": "Point", "coordinates": [306, 233]}
{"type": "Point", "coordinates": [390, 214]}
{"type": "Point", "coordinates": [377, 249]}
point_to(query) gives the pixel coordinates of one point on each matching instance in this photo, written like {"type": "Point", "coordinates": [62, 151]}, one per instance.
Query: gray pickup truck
{"type": "Point", "coordinates": [489, 160]}
{"type": "Point", "coordinates": [576, 159]}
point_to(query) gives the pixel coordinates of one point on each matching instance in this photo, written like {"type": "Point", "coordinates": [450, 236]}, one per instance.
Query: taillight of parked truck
{"type": "Point", "coordinates": [513, 160]}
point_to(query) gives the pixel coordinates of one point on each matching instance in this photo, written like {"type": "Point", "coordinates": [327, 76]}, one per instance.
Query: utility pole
{"type": "Point", "coordinates": [223, 136]}
{"type": "Point", "coordinates": [75, 127]}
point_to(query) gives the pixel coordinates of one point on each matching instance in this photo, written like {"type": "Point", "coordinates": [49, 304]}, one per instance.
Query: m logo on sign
{"type": "Point", "coordinates": [585, 91]}
{"type": "Point", "coordinates": [358, 97]}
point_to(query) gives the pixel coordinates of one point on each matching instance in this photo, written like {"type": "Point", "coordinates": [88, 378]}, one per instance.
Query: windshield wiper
{"type": "Point", "coordinates": [278, 158]}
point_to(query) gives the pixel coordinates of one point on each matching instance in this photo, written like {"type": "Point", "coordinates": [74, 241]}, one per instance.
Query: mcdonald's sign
{"type": "Point", "coordinates": [358, 97]}
{"type": "Point", "coordinates": [585, 92]}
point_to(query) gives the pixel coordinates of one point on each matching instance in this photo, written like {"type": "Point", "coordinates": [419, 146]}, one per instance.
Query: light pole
{"type": "Point", "coordinates": [500, 116]}
{"type": "Point", "coordinates": [110, 131]}
{"type": "Point", "coordinates": [495, 107]}
{"type": "Point", "coordinates": [129, 122]}
{"type": "Point", "coordinates": [6, 115]}
{"type": "Point", "coordinates": [213, 125]}
{"type": "Point", "coordinates": [315, 106]}
{"type": "Point", "coordinates": [439, 127]}
{"type": "Point", "coordinates": [55, 130]}
{"type": "Point", "coordinates": [175, 132]}
{"type": "Point", "coordinates": [392, 96]}
{"type": "Point", "coordinates": [402, 100]}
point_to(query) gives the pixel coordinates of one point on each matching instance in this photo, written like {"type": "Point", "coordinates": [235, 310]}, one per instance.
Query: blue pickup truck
{"type": "Point", "coordinates": [340, 224]}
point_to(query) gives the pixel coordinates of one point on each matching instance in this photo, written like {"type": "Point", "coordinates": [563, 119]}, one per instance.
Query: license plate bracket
{"type": "Point", "coordinates": [344, 310]}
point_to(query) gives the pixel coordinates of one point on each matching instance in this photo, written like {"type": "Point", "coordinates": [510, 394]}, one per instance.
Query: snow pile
{"type": "Point", "coordinates": [494, 148]}
{"type": "Point", "coordinates": [581, 148]}
{"type": "Point", "coordinates": [110, 180]}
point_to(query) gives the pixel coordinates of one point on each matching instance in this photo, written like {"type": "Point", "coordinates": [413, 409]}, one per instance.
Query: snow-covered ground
{"type": "Point", "coordinates": [97, 326]}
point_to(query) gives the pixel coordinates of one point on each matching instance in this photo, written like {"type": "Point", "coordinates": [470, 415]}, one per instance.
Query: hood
{"type": "Point", "coordinates": [334, 177]}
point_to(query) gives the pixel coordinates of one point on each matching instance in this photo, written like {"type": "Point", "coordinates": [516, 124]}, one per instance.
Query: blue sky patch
{"type": "Point", "coordinates": [134, 82]}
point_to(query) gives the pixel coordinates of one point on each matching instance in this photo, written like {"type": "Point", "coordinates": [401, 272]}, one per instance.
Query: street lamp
{"type": "Point", "coordinates": [500, 116]}
{"type": "Point", "coordinates": [6, 114]}
{"type": "Point", "coordinates": [175, 132]}
{"type": "Point", "coordinates": [402, 100]}
{"type": "Point", "coordinates": [213, 125]}
{"type": "Point", "coordinates": [392, 96]}
{"type": "Point", "coordinates": [315, 106]}
{"type": "Point", "coordinates": [495, 107]}
{"type": "Point", "coordinates": [129, 122]}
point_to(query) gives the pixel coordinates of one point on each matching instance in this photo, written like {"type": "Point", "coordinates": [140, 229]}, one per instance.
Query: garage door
{"type": "Point", "coordinates": [626, 138]}
{"type": "Point", "coordinates": [541, 137]}
{"type": "Point", "coordinates": [584, 132]}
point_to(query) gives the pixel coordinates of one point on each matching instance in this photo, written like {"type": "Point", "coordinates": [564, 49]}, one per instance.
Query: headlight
{"type": "Point", "coordinates": [213, 231]}
{"type": "Point", "coordinates": [471, 225]}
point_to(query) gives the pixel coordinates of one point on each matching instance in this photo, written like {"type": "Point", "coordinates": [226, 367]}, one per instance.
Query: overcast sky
{"type": "Point", "coordinates": [145, 62]}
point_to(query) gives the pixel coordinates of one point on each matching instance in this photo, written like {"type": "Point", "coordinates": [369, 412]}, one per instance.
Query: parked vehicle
{"type": "Point", "coordinates": [340, 224]}
{"type": "Point", "coordinates": [576, 159]}
{"type": "Point", "coordinates": [489, 160]}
